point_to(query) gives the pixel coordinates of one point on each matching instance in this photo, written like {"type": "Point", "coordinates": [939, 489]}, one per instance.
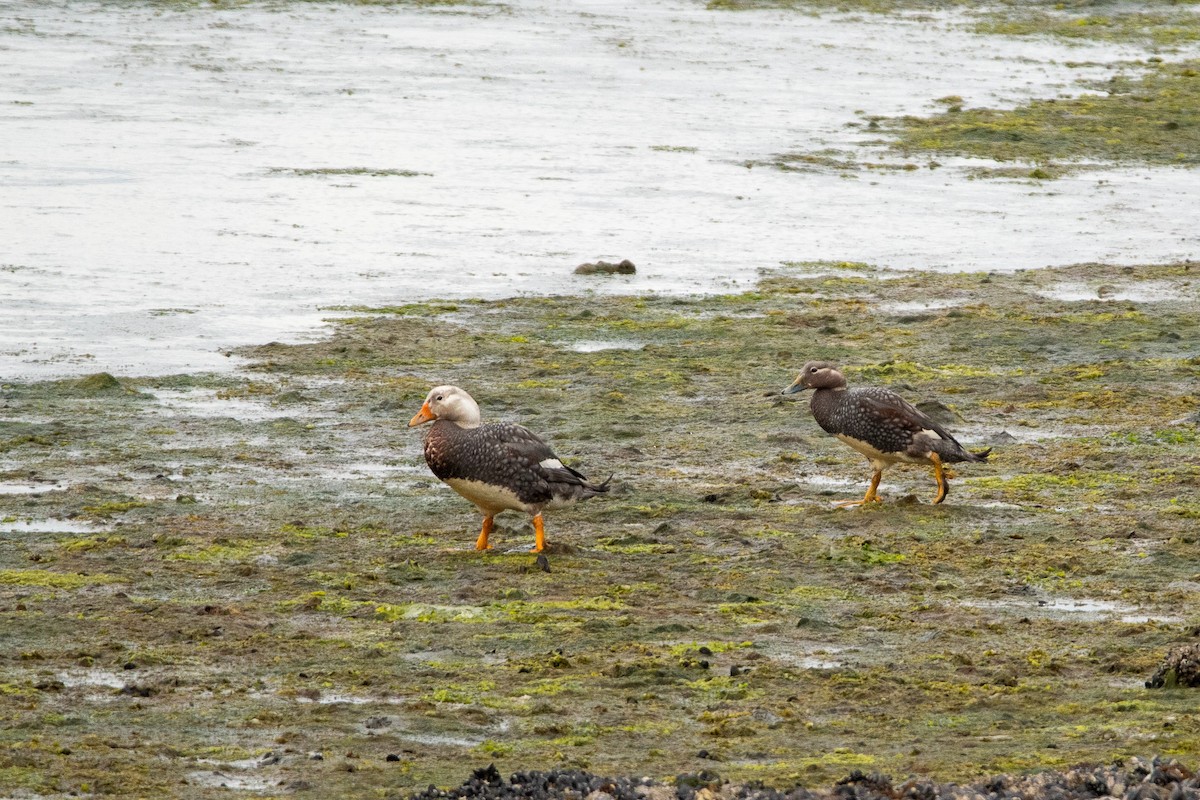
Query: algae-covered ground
{"type": "Point", "coordinates": [1145, 114]}
{"type": "Point", "coordinates": [1149, 117]}
{"type": "Point", "coordinates": [220, 586]}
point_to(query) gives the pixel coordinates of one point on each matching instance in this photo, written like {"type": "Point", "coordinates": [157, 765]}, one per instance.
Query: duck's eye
{"type": "Point", "coordinates": [814, 370]}
{"type": "Point", "coordinates": [439, 397]}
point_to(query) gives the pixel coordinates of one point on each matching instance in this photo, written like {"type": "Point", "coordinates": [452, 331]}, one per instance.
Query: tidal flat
{"type": "Point", "coordinates": [249, 584]}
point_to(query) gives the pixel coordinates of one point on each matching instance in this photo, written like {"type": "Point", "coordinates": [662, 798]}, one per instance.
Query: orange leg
{"type": "Point", "coordinates": [870, 497]}
{"type": "Point", "coordinates": [939, 475]}
{"type": "Point", "coordinates": [539, 534]}
{"type": "Point", "coordinates": [482, 542]}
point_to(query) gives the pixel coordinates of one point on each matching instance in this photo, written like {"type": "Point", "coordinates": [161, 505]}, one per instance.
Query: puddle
{"type": "Point", "coordinates": [98, 678]}
{"type": "Point", "coordinates": [440, 739]}
{"type": "Point", "coordinates": [916, 307]}
{"type": "Point", "coordinates": [597, 345]}
{"type": "Point", "coordinates": [1143, 292]}
{"type": "Point", "coordinates": [216, 779]}
{"type": "Point", "coordinates": [826, 482]}
{"type": "Point", "coordinates": [50, 526]}
{"type": "Point", "coordinates": [27, 487]}
{"type": "Point", "coordinates": [206, 403]}
{"type": "Point", "coordinates": [333, 698]}
{"type": "Point", "coordinates": [1019, 435]}
{"type": "Point", "coordinates": [450, 656]}
{"type": "Point", "coordinates": [1074, 608]}
{"type": "Point", "coordinates": [373, 469]}
{"type": "Point", "coordinates": [295, 224]}
{"type": "Point", "coordinates": [815, 656]}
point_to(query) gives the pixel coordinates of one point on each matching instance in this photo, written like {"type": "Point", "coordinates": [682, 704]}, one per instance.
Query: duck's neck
{"type": "Point", "coordinates": [823, 403]}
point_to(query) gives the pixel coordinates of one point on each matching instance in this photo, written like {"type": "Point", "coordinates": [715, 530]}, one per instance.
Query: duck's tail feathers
{"type": "Point", "coordinates": [589, 489]}
{"type": "Point", "coordinates": [978, 455]}
{"type": "Point", "coordinates": [575, 486]}
{"type": "Point", "coordinates": [952, 452]}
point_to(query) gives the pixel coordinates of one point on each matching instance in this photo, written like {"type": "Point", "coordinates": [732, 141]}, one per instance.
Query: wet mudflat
{"type": "Point", "coordinates": [214, 586]}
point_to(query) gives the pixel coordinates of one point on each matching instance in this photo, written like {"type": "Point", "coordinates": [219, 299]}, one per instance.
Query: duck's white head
{"type": "Point", "coordinates": [449, 403]}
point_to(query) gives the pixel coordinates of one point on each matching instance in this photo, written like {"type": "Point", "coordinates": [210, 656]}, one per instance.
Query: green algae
{"type": "Point", "coordinates": [1163, 25]}
{"type": "Point", "coordinates": [1146, 116]}
{"type": "Point", "coordinates": [51, 580]}
{"type": "Point", "coordinates": [113, 507]}
{"type": "Point", "coordinates": [220, 550]}
{"type": "Point", "coordinates": [370, 172]}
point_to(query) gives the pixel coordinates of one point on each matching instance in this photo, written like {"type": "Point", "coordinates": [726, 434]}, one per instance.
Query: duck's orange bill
{"type": "Point", "coordinates": [422, 416]}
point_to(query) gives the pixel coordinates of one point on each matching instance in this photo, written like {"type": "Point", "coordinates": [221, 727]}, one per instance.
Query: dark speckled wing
{"type": "Point", "coordinates": [899, 412]}
{"type": "Point", "coordinates": [504, 455]}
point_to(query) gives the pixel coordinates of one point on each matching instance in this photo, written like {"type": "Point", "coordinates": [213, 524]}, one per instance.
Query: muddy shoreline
{"type": "Point", "coordinates": [201, 570]}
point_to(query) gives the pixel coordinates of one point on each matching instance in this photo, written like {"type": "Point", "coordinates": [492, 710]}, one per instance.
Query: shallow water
{"type": "Point", "coordinates": [1076, 608]}
{"type": "Point", "coordinates": [157, 206]}
{"type": "Point", "coordinates": [27, 487]}
{"type": "Point", "coordinates": [49, 526]}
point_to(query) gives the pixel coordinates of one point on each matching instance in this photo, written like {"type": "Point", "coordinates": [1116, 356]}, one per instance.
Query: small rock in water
{"type": "Point", "coordinates": [1003, 437]}
{"type": "Point", "coordinates": [625, 267]}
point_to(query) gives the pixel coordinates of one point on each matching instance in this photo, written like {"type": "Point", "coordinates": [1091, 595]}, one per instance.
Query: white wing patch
{"type": "Point", "coordinates": [551, 463]}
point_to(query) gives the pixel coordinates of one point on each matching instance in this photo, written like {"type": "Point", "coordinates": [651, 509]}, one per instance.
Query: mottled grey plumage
{"type": "Point", "coordinates": [499, 466]}
{"type": "Point", "coordinates": [880, 424]}
{"type": "Point", "coordinates": [505, 455]}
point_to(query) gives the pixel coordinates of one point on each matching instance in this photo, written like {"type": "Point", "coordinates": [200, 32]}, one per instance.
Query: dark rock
{"type": "Point", "coordinates": [1003, 437]}
{"type": "Point", "coordinates": [624, 267]}
{"type": "Point", "coordinates": [698, 780]}
{"type": "Point", "coordinates": [1180, 669]}
{"type": "Point", "coordinates": [939, 412]}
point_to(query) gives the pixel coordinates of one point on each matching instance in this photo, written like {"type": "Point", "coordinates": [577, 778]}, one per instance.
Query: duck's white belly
{"type": "Point", "coordinates": [490, 498]}
{"type": "Point", "coordinates": [879, 459]}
